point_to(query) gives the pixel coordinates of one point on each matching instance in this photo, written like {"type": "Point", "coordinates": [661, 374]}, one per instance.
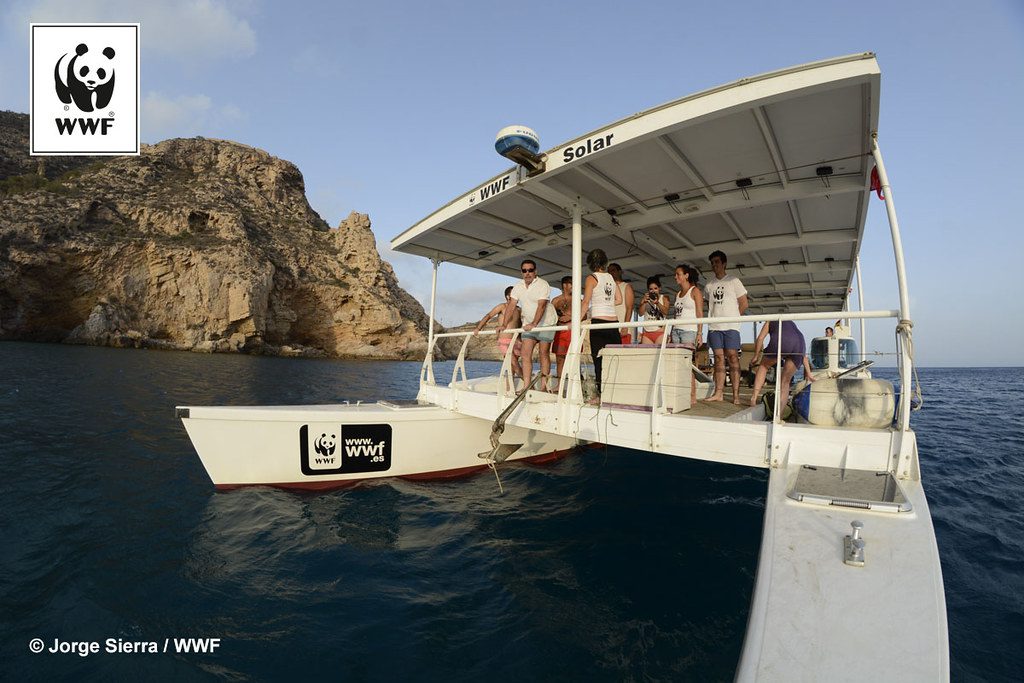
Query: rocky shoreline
{"type": "Point", "coordinates": [196, 244]}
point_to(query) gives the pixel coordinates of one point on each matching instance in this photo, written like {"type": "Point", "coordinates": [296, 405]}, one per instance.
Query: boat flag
{"type": "Point", "coordinates": [876, 183]}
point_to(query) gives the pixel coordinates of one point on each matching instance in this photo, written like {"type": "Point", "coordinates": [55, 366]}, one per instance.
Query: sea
{"type": "Point", "coordinates": [607, 565]}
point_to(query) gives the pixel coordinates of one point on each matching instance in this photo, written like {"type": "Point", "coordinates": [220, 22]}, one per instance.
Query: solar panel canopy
{"type": "Point", "coordinates": [774, 170]}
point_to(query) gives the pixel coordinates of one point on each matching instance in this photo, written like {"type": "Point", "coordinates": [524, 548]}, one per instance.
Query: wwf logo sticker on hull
{"type": "Point", "coordinates": [344, 449]}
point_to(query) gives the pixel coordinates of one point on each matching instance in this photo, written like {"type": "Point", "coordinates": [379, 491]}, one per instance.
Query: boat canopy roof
{"type": "Point", "coordinates": [774, 170]}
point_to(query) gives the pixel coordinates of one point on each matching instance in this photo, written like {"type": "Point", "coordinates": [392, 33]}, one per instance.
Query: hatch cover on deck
{"type": "Point", "coordinates": [401, 404]}
{"type": "Point", "coordinates": [867, 490]}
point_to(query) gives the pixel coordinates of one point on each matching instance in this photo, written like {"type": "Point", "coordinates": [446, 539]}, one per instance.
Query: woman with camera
{"type": "Point", "coordinates": [654, 306]}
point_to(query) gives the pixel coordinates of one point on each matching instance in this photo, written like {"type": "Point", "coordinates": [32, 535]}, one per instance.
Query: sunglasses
{"type": "Point", "coordinates": [529, 270]}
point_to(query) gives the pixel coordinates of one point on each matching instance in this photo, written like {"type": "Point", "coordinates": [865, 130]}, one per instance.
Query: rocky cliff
{"type": "Point", "coordinates": [197, 244]}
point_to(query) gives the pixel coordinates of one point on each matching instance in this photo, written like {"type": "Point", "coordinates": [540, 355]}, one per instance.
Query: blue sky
{"type": "Point", "coordinates": [391, 108]}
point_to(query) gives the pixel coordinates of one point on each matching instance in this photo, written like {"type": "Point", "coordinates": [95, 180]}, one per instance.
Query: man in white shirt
{"type": "Point", "coordinates": [726, 297]}
{"type": "Point", "coordinates": [532, 296]}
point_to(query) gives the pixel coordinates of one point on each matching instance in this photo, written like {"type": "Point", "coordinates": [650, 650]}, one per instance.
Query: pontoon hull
{"type": "Point", "coordinates": [322, 447]}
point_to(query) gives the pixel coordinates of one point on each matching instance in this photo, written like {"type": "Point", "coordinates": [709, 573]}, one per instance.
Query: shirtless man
{"type": "Point", "coordinates": [504, 339]}
{"type": "Point", "coordinates": [563, 307]}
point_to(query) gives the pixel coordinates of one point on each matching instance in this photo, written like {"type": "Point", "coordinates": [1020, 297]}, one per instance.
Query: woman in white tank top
{"type": "Point", "coordinates": [599, 298]}
{"type": "Point", "coordinates": [689, 303]}
{"type": "Point", "coordinates": [623, 311]}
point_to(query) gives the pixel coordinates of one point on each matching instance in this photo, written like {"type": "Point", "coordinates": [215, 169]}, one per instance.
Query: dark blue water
{"type": "Point", "coordinates": [608, 565]}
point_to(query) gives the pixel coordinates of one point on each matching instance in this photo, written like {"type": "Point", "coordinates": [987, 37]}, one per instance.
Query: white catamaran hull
{"type": "Point", "coordinates": [321, 447]}
{"type": "Point", "coordinates": [849, 582]}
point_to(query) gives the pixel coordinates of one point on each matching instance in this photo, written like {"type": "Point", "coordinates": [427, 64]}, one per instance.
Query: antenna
{"type": "Point", "coordinates": [521, 145]}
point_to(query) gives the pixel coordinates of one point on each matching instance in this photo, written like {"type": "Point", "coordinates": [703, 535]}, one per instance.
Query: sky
{"type": "Point", "coordinates": [390, 109]}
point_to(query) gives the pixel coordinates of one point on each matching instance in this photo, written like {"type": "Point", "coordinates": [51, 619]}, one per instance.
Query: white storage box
{"type": "Point", "coordinates": [628, 374]}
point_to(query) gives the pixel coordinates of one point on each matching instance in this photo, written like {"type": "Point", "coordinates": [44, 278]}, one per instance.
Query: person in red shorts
{"type": "Point", "coordinates": [563, 307]}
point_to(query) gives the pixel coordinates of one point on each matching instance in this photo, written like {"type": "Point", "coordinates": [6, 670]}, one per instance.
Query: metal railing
{"type": "Point", "coordinates": [570, 386]}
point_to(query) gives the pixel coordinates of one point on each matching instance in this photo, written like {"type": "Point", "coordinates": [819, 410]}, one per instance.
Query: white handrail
{"type": "Point", "coordinates": [690, 321]}
{"type": "Point", "coordinates": [570, 383]}
{"type": "Point", "coordinates": [460, 364]}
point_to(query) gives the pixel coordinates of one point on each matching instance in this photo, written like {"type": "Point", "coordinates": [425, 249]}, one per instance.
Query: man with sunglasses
{"type": "Point", "coordinates": [532, 295]}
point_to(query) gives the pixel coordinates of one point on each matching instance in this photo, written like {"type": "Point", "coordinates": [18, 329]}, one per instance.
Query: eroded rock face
{"type": "Point", "coordinates": [203, 245]}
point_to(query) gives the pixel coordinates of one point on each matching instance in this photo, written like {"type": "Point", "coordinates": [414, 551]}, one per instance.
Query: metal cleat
{"type": "Point", "coordinates": [853, 546]}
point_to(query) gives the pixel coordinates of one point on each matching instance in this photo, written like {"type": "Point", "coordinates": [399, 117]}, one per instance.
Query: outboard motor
{"type": "Point", "coordinates": [521, 145]}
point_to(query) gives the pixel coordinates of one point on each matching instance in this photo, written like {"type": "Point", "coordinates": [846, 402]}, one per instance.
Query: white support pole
{"type": "Point", "coordinates": [894, 228]}
{"type": "Point", "coordinates": [905, 323]}
{"type": "Point", "coordinates": [577, 290]}
{"type": "Point", "coordinates": [860, 307]}
{"type": "Point", "coordinates": [433, 301]}
{"type": "Point", "coordinates": [577, 267]}
{"type": "Point", "coordinates": [777, 412]}
{"type": "Point", "coordinates": [430, 324]}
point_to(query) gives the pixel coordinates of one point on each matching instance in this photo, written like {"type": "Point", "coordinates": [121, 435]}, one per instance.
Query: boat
{"type": "Point", "coordinates": [777, 170]}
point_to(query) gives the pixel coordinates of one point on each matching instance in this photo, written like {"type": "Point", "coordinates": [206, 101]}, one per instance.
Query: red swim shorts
{"type": "Point", "coordinates": [560, 345]}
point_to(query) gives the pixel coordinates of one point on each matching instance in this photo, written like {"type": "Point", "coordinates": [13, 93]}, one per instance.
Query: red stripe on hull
{"type": "Point", "coordinates": [540, 459]}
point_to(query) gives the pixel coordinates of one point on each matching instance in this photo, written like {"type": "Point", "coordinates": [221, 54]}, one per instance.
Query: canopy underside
{"type": "Point", "coordinates": [773, 170]}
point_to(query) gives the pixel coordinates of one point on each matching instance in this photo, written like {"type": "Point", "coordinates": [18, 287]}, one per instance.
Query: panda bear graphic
{"type": "Point", "coordinates": [77, 78]}
{"type": "Point", "coordinates": [325, 445]}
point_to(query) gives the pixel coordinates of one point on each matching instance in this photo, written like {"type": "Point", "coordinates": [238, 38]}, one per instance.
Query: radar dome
{"type": "Point", "coordinates": [513, 138]}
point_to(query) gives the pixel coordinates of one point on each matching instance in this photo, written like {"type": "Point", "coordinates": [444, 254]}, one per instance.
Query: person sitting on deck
{"type": "Point", "coordinates": [505, 338]}
{"type": "Point", "coordinates": [624, 310]}
{"type": "Point", "coordinates": [599, 298]}
{"type": "Point", "coordinates": [533, 293]}
{"type": "Point", "coordinates": [654, 306]}
{"type": "Point", "coordinates": [727, 297]}
{"type": "Point", "coordinates": [563, 308]}
{"type": "Point", "coordinates": [794, 353]}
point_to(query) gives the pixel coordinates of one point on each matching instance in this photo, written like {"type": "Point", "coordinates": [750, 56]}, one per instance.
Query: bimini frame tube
{"type": "Point", "coordinates": [576, 329]}
{"type": "Point", "coordinates": [427, 371]}
{"type": "Point", "coordinates": [894, 228]}
{"type": "Point", "coordinates": [433, 301]}
{"type": "Point", "coordinates": [905, 325]}
{"type": "Point", "coordinates": [577, 268]}
{"type": "Point", "coordinates": [860, 307]}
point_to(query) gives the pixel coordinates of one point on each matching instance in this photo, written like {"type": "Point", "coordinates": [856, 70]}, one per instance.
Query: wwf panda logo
{"type": "Point", "coordinates": [325, 445]}
{"type": "Point", "coordinates": [87, 78]}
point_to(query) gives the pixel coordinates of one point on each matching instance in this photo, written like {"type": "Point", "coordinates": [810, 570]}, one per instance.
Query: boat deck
{"type": "Point", "coordinates": [815, 618]}
{"type": "Point", "coordinates": [702, 408]}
